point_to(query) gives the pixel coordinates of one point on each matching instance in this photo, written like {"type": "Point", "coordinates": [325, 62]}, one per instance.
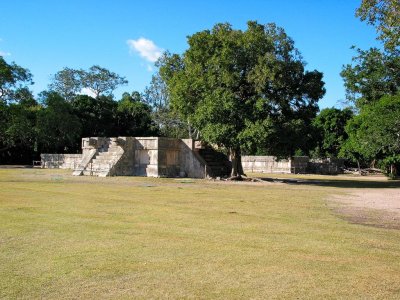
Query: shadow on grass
{"type": "Point", "coordinates": [339, 183]}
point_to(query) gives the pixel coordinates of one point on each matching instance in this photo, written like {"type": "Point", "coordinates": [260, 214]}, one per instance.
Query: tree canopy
{"type": "Point", "coordinates": [385, 16]}
{"type": "Point", "coordinates": [372, 75]}
{"type": "Point", "coordinates": [13, 81]}
{"type": "Point", "coordinates": [374, 134]}
{"type": "Point", "coordinates": [167, 120]}
{"type": "Point", "coordinates": [372, 82]}
{"type": "Point", "coordinates": [330, 131]}
{"type": "Point", "coordinates": [245, 88]}
{"type": "Point", "coordinates": [97, 81]}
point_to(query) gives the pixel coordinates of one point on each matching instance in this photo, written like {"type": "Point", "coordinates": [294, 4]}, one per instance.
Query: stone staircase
{"type": "Point", "coordinates": [103, 162]}
{"type": "Point", "coordinates": [218, 164]}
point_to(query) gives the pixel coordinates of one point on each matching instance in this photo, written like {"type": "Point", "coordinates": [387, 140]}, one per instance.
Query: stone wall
{"type": "Point", "coordinates": [192, 164]}
{"type": "Point", "coordinates": [328, 166]}
{"type": "Point", "coordinates": [265, 164]}
{"type": "Point", "coordinates": [155, 157]}
{"type": "Point", "coordinates": [299, 164]}
{"type": "Point", "coordinates": [167, 157]}
{"type": "Point", "coordinates": [60, 161]}
{"type": "Point", "coordinates": [295, 165]}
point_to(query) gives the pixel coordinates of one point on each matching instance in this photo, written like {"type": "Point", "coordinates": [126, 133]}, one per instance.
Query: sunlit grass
{"type": "Point", "coordinates": [130, 237]}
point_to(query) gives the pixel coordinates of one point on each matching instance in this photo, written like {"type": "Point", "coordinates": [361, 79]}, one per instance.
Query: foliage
{"type": "Point", "coordinates": [96, 115]}
{"type": "Point", "coordinates": [58, 128]}
{"type": "Point", "coordinates": [372, 75]}
{"type": "Point", "coordinates": [66, 83]}
{"type": "Point", "coordinates": [134, 117]}
{"type": "Point", "coordinates": [168, 121]}
{"type": "Point", "coordinates": [101, 81]}
{"type": "Point", "coordinates": [375, 132]}
{"type": "Point", "coordinates": [244, 88]}
{"type": "Point", "coordinates": [385, 16]}
{"type": "Point", "coordinates": [13, 81]}
{"type": "Point", "coordinates": [97, 80]}
{"type": "Point", "coordinates": [17, 131]}
{"type": "Point", "coordinates": [330, 131]}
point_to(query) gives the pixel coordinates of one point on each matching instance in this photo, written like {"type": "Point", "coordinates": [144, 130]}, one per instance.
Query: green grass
{"type": "Point", "coordinates": [129, 237]}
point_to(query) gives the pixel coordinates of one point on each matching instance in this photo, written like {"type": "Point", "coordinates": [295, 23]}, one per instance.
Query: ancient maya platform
{"type": "Point", "coordinates": [169, 157]}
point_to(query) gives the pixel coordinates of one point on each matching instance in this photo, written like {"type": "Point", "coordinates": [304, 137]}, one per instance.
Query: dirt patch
{"type": "Point", "coordinates": [373, 207]}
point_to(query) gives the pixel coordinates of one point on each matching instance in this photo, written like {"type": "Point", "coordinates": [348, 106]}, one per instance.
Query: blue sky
{"type": "Point", "coordinates": [126, 36]}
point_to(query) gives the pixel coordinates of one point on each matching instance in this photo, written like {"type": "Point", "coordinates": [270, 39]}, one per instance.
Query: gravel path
{"type": "Point", "coordinates": [375, 207]}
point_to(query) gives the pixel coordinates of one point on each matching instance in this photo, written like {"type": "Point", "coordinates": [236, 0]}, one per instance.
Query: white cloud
{"type": "Point", "coordinates": [5, 53]}
{"type": "Point", "coordinates": [146, 49]}
{"type": "Point", "coordinates": [89, 92]}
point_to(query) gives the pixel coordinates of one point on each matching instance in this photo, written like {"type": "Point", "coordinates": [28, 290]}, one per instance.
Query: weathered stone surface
{"type": "Point", "coordinates": [296, 165]}
{"type": "Point", "coordinates": [265, 164]}
{"type": "Point", "coordinates": [137, 156]}
{"type": "Point", "coordinates": [60, 161]}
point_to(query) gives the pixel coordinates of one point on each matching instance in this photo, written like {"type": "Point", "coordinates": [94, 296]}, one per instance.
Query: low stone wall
{"type": "Point", "coordinates": [60, 161]}
{"type": "Point", "coordinates": [299, 164]}
{"type": "Point", "coordinates": [328, 166]}
{"type": "Point", "coordinates": [295, 165]}
{"type": "Point", "coordinates": [265, 164]}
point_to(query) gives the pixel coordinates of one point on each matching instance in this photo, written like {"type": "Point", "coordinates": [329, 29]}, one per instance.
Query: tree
{"type": "Point", "coordinates": [17, 131]}
{"type": "Point", "coordinates": [385, 16]}
{"type": "Point", "coordinates": [98, 116]}
{"type": "Point", "coordinates": [101, 81]}
{"type": "Point", "coordinates": [134, 116]}
{"type": "Point", "coordinates": [330, 130]}
{"type": "Point", "coordinates": [372, 75]}
{"type": "Point", "coordinates": [58, 129]}
{"type": "Point", "coordinates": [167, 120]}
{"type": "Point", "coordinates": [13, 79]}
{"type": "Point", "coordinates": [244, 88]}
{"type": "Point", "coordinates": [97, 80]}
{"type": "Point", "coordinates": [375, 73]}
{"type": "Point", "coordinates": [372, 82]}
{"type": "Point", "coordinates": [67, 83]}
{"type": "Point", "coordinates": [374, 134]}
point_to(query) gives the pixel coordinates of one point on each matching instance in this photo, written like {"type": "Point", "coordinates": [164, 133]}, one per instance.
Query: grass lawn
{"type": "Point", "coordinates": [128, 237]}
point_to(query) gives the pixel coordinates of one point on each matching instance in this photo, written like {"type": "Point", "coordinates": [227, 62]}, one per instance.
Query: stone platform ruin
{"type": "Point", "coordinates": [142, 156]}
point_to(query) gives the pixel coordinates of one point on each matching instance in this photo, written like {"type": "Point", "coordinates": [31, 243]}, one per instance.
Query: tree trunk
{"type": "Point", "coordinates": [359, 168]}
{"type": "Point", "coordinates": [236, 159]}
{"type": "Point", "coordinates": [189, 130]}
{"type": "Point", "coordinates": [393, 171]}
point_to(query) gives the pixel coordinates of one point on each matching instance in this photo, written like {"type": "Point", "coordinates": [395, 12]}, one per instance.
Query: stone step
{"type": "Point", "coordinates": [100, 168]}
{"type": "Point", "coordinates": [113, 152]}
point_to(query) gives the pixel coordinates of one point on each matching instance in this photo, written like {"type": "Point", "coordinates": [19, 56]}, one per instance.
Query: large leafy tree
{"type": "Point", "coordinates": [97, 81]}
{"type": "Point", "coordinates": [17, 113]}
{"type": "Point", "coordinates": [244, 88]}
{"type": "Point", "coordinates": [372, 83]}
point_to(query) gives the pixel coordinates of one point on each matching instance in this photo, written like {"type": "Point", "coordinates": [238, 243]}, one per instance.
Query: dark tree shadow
{"type": "Point", "coordinates": [339, 183]}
